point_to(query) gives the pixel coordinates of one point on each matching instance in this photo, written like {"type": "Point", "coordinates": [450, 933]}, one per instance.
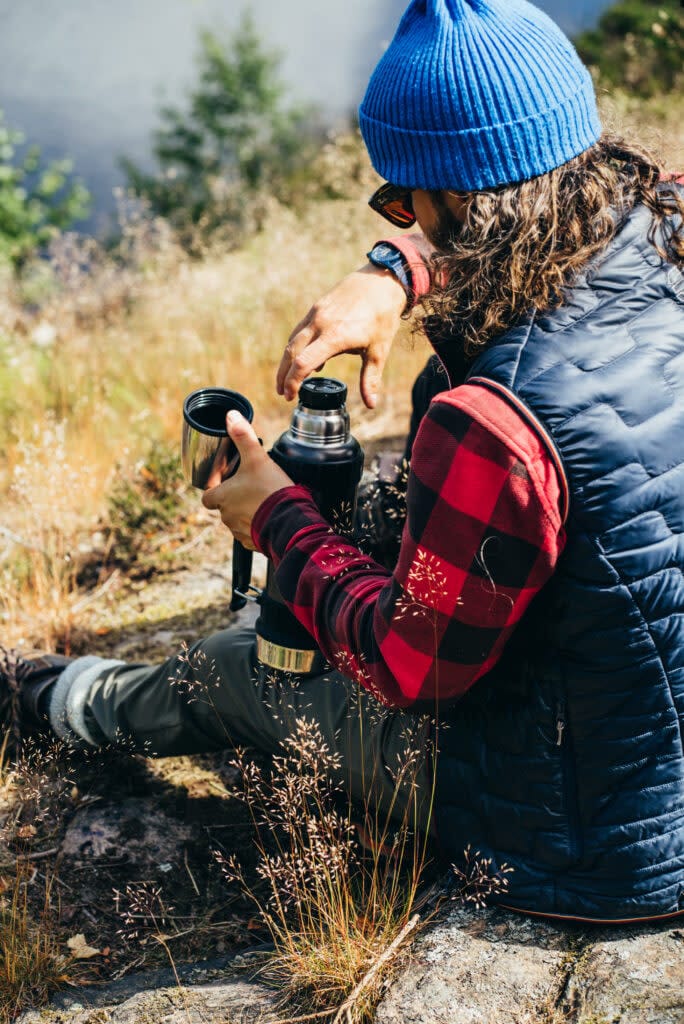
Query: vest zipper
{"type": "Point", "coordinates": [564, 742]}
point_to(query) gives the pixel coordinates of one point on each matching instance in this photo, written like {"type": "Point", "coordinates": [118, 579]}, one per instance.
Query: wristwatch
{"type": "Point", "coordinates": [384, 254]}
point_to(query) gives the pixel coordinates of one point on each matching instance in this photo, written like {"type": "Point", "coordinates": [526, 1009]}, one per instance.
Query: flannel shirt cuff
{"type": "Point", "coordinates": [415, 252]}
{"type": "Point", "coordinates": [280, 517]}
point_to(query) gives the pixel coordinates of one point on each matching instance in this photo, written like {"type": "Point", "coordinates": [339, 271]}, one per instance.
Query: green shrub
{"type": "Point", "coordinates": [235, 145]}
{"type": "Point", "coordinates": [37, 201]}
{"type": "Point", "coordinates": [639, 46]}
{"type": "Point", "coordinates": [144, 502]}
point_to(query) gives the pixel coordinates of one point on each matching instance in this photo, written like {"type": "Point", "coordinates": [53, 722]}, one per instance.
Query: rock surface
{"type": "Point", "coordinates": [630, 977]}
{"type": "Point", "coordinates": [494, 967]}
{"type": "Point", "coordinates": [133, 830]}
{"type": "Point", "coordinates": [468, 967]}
{"type": "Point", "coordinates": [229, 1002]}
{"type": "Point", "coordinates": [480, 967]}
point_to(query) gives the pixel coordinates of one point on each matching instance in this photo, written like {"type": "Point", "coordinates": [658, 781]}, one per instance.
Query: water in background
{"type": "Point", "coordinates": [86, 77]}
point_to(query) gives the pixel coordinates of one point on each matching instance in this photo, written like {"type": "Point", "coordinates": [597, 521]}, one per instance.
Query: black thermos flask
{"type": "Point", "coordinates": [319, 452]}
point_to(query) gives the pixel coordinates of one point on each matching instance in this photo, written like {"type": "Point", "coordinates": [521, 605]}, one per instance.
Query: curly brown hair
{"type": "Point", "coordinates": [521, 246]}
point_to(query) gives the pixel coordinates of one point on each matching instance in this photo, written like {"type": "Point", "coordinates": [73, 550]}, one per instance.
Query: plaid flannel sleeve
{"type": "Point", "coordinates": [482, 536]}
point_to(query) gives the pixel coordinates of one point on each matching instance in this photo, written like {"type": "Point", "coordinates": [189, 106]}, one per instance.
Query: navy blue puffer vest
{"type": "Point", "coordinates": [566, 761]}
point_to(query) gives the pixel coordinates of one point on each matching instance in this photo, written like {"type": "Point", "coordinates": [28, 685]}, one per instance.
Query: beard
{"type": "Point", "coordinates": [448, 229]}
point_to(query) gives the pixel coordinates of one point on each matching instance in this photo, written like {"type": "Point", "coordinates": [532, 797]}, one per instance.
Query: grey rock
{"type": "Point", "coordinates": [493, 967]}
{"type": "Point", "coordinates": [468, 967]}
{"type": "Point", "coordinates": [479, 967]}
{"type": "Point", "coordinates": [230, 1002]}
{"type": "Point", "coordinates": [204, 972]}
{"type": "Point", "coordinates": [135, 831]}
{"type": "Point", "coordinates": [630, 978]}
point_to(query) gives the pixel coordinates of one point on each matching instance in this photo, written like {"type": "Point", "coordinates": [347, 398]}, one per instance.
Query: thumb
{"type": "Point", "coordinates": [371, 376]}
{"type": "Point", "coordinates": [242, 433]}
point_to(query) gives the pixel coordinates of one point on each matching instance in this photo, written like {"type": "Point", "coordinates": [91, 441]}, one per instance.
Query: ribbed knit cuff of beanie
{"type": "Point", "coordinates": [471, 94]}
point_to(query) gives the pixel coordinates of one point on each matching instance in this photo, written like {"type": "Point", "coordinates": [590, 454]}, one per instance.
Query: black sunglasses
{"type": "Point", "coordinates": [393, 202]}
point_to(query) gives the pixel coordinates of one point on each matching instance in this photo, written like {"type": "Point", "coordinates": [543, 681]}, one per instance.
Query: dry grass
{"type": "Point", "coordinates": [656, 123]}
{"type": "Point", "coordinates": [32, 961]}
{"type": "Point", "coordinates": [32, 965]}
{"type": "Point", "coordinates": [338, 910]}
{"type": "Point", "coordinates": [100, 374]}
{"type": "Point", "coordinates": [339, 883]}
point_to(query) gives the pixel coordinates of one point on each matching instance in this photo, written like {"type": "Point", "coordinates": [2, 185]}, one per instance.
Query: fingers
{"type": "Point", "coordinates": [311, 358]}
{"type": "Point", "coordinates": [303, 333]}
{"type": "Point", "coordinates": [359, 314]}
{"type": "Point", "coordinates": [246, 441]}
{"type": "Point", "coordinates": [372, 366]}
{"type": "Point", "coordinates": [214, 496]}
{"type": "Point", "coordinates": [245, 540]}
{"type": "Point", "coordinates": [370, 383]}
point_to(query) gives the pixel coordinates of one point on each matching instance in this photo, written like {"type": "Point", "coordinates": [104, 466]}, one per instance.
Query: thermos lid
{"type": "Point", "coordinates": [323, 393]}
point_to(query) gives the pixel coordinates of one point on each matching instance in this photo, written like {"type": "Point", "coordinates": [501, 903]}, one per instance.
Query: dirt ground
{"type": "Point", "coordinates": [126, 844]}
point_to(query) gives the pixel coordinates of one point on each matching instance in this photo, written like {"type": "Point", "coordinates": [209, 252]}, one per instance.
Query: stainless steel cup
{"type": "Point", "coordinates": [207, 452]}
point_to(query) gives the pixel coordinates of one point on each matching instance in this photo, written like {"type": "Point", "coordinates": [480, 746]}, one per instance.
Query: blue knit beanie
{"type": "Point", "coordinates": [471, 94]}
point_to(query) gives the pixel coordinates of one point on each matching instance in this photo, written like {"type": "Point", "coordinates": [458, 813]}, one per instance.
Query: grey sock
{"type": "Point", "coordinates": [66, 701]}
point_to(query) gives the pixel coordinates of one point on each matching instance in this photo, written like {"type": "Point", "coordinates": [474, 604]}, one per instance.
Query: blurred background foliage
{"type": "Point", "coordinates": [235, 145]}
{"type": "Point", "coordinates": [38, 200]}
{"type": "Point", "coordinates": [638, 45]}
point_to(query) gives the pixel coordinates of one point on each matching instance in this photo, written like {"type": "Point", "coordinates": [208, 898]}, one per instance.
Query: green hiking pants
{"type": "Point", "coordinates": [216, 695]}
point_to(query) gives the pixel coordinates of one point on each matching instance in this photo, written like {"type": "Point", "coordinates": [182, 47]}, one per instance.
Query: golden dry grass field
{"type": "Point", "coordinates": [95, 377]}
{"type": "Point", "coordinates": [94, 381]}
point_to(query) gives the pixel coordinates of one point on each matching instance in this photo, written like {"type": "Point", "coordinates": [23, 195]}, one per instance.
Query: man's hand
{"type": "Point", "coordinates": [360, 314]}
{"type": "Point", "coordinates": [256, 479]}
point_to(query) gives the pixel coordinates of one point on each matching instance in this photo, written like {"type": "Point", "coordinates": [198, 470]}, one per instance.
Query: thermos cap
{"type": "Point", "coordinates": [323, 393]}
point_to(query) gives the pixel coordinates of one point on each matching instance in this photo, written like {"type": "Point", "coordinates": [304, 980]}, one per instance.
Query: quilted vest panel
{"type": "Point", "coordinates": [566, 761]}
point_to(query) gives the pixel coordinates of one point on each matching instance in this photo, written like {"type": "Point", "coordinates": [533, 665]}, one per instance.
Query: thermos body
{"type": "Point", "coordinates": [332, 475]}
{"type": "Point", "coordinates": [319, 452]}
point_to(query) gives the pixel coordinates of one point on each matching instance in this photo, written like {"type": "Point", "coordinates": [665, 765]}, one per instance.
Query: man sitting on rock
{"type": "Point", "coordinates": [537, 603]}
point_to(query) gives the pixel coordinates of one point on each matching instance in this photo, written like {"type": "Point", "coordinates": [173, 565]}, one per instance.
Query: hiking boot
{"type": "Point", "coordinates": [25, 682]}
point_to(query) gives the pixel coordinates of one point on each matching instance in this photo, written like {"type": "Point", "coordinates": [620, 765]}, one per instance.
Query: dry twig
{"type": "Point", "coordinates": [97, 593]}
{"type": "Point", "coordinates": [345, 1008]}
{"type": "Point", "coordinates": [190, 874]}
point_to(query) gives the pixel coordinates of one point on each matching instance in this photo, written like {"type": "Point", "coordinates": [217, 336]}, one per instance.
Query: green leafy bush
{"type": "Point", "coordinates": [37, 201]}
{"type": "Point", "coordinates": [144, 502]}
{"type": "Point", "coordinates": [639, 46]}
{"type": "Point", "coordinates": [234, 145]}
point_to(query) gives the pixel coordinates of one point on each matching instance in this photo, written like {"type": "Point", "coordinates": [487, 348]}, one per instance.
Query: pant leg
{"type": "Point", "coordinates": [217, 695]}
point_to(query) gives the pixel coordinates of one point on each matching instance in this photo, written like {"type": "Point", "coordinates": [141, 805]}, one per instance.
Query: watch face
{"type": "Point", "coordinates": [384, 255]}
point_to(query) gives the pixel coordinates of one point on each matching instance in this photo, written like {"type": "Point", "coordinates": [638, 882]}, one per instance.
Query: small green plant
{"type": "Point", "coordinates": [142, 503]}
{"type": "Point", "coordinates": [235, 146]}
{"type": "Point", "coordinates": [37, 201]}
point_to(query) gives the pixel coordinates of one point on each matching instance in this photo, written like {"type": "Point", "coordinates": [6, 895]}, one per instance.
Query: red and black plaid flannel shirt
{"type": "Point", "coordinates": [482, 536]}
